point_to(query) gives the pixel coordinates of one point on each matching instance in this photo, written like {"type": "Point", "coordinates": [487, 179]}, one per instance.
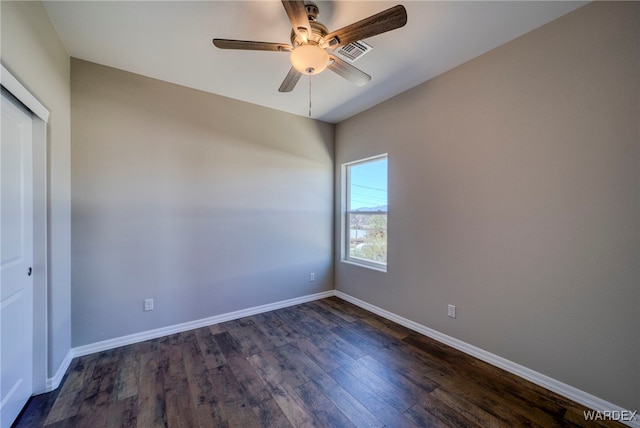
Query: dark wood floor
{"type": "Point", "coordinates": [325, 363]}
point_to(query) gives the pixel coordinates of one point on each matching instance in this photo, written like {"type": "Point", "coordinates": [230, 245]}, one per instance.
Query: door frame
{"type": "Point", "coordinates": [40, 226]}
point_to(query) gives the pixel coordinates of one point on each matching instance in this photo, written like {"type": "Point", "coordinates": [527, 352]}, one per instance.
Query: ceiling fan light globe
{"type": "Point", "coordinates": [309, 59]}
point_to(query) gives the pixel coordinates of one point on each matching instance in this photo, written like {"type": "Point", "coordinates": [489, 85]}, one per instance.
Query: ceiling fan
{"type": "Point", "coordinates": [312, 45]}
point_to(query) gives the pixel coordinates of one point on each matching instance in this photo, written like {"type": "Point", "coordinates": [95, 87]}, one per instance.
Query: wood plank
{"type": "Point", "coordinates": [123, 413]}
{"type": "Point", "coordinates": [244, 372]}
{"type": "Point", "coordinates": [126, 383]}
{"type": "Point", "coordinates": [374, 321]}
{"type": "Point", "coordinates": [347, 308]}
{"type": "Point", "coordinates": [486, 400]}
{"type": "Point", "coordinates": [151, 404]}
{"type": "Point", "coordinates": [273, 328]}
{"type": "Point", "coordinates": [244, 332]}
{"type": "Point", "coordinates": [416, 359]}
{"type": "Point", "coordinates": [378, 407]}
{"type": "Point", "coordinates": [322, 356]}
{"type": "Point", "coordinates": [311, 312]}
{"type": "Point", "coordinates": [383, 334]}
{"type": "Point", "coordinates": [209, 347]}
{"type": "Point", "coordinates": [469, 410]}
{"type": "Point", "coordinates": [284, 395]}
{"type": "Point", "coordinates": [490, 380]}
{"type": "Point", "coordinates": [434, 349]}
{"type": "Point", "coordinates": [436, 413]}
{"type": "Point", "coordinates": [95, 407]}
{"type": "Point", "coordinates": [271, 415]}
{"type": "Point", "coordinates": [437, 371]}
{"type": "Point", "coordinates": [303, 326]}
{"type": "Point", "coordinates": [335, 345]}
{"type": "Point", "coordinates": [179, 403]}
{"type": "Point", "coordinates": [337, 316]}
{"type": "Point", "coordinates": [366, 344]}
{"type": "Point", "coordinates": [217, 328]}
{"type": "Point", "coordinates": [384, 371]}
{"type": "Point", "coordinates": [208, 409]}
{"type": "Point", "coordinates": [346, 403]}
{"type": "Point", "coordinates": [323, 409]}
{"type": "Point", "coordinates": [399, 398]}
{"type": "Point", "coordinates": [233, 401]}
{"type": "Point", "coordinates": [72, 391]}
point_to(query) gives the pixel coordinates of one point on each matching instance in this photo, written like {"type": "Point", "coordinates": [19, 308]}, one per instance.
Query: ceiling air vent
{"type": "Point", "coordinates": [354, 50]}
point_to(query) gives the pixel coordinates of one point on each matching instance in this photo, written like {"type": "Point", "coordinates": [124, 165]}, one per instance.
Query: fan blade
{"type": "Point", "coordinates": [348, 71]}
{"type": "Point", "coordinates": [290, 81]}
{"type": "Point", "coordinates": [297, 14]}
{"type": "Point", "coordinates": [379, 23]}
{"type": "Point", "coordinates": [251, 46]}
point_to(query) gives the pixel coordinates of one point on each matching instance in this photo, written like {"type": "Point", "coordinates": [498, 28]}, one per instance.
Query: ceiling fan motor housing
{"type": "Point", "coordinates": [312, 11]}
{"type": "Point", "coordinates": [318, 30]}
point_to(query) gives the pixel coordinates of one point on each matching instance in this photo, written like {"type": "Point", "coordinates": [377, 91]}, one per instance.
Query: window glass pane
{"type": "Point", "coordinates": [368, 186]}
{"type": "Point", "coordinates": [368, 237]}
{"type": "Point", "coordinates": [366, 212]}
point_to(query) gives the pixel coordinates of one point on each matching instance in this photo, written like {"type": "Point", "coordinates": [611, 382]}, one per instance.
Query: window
{"type": "Point", "coordinates": [365, 220]}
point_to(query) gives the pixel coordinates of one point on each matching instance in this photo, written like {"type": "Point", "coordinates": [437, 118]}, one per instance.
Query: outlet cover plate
{"type": "Point", "coordinates": [451, 311]}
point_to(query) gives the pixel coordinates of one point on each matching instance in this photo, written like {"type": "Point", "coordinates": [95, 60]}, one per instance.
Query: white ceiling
{"type": "Point", "coordinates": [171, 41]}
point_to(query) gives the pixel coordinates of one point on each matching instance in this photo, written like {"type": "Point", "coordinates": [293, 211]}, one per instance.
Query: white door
{"type": "Point", "coordinates": [16, 257]}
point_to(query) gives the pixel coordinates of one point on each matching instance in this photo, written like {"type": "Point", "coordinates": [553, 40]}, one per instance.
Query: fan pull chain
{"type": "Point", "coordinates": [309, 95]}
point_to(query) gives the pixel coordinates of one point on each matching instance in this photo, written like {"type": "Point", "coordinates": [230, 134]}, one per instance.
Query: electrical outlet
{"type": "Point", "coordinates": [312, 277]}
{"type": "Point", "coordinates": [148, 304]}
{"type": "Point", "coordinates": [451, 311]}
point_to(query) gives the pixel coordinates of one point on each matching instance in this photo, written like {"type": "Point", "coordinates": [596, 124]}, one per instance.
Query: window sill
{"type": "Point", "coordinates": [379, 268]}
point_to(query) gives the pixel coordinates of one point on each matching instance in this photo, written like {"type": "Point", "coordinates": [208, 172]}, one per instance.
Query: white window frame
{"type": "Point", "coordinates": [346, 212]}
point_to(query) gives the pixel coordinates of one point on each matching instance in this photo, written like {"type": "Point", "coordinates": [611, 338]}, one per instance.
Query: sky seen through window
{"type": "Point", "coordinates": [369, 185]}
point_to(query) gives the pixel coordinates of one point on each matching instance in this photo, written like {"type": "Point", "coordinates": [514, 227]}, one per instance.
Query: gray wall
{"type": "Point", "coordinates": [206, 204]}
{"type": "Point", "coordinates": [32, 51]}
{"type": "Point", "coordinates": [514, 194]}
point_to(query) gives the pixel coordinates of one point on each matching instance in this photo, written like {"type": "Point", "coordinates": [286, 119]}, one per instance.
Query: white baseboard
{"type": "Point", "coordinates": [54, 382]}
{"type": "Point", "coordinates": [178, 328]}
{"type": "Point", "coordinates": [568, 391]}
